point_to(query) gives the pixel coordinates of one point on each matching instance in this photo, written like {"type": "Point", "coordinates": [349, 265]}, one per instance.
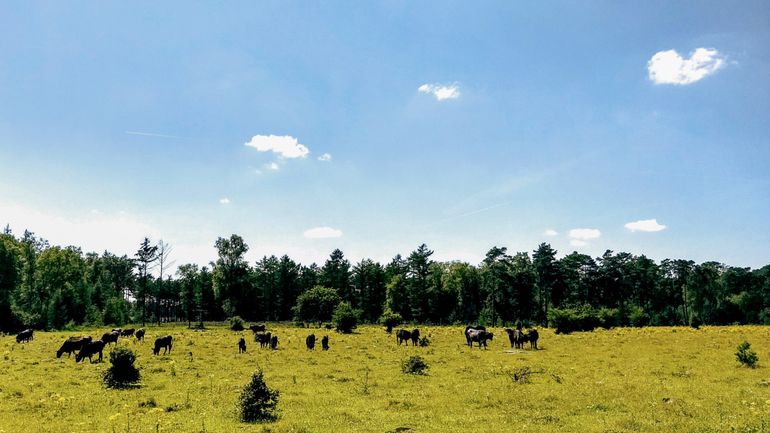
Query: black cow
{"type": "Point", "coordinates": [403, 336]}
{"type": "Point", "coordinates": [140, 334]}
{"type": "Point", "coordinates": [310, 342]}
{"type": "Point", "coordinates": [127, 332]}
{"type": "Point", "coordinates": [274, 342]}
{"type": "Point", "coordinates": [110, 337]}
{"type": "Point", "coordinates": [532, 336]}
{"type": "Point", "coordinates": [325, 342]}
{"type": "Point", "coordinates": [517, 338]}
{"type": "Point", "coordinates": [25, 336]}
{"type": "Point", "coordinates": [89, 350]}
{"type": "Point", "coordinates": [477, 335]}
{"type": "Point", "coordinates": [260, 327]}
{"type": "Point", "coordinates": [415, 337]}
{"type": "Point", "coordinates": [263, 338]}
{"type": "Point", "coordinates": [72, 344]}
{"type": "Point", "coordinates": [242, 345]}
{"type": "Point", "coordinates": [162, 343]}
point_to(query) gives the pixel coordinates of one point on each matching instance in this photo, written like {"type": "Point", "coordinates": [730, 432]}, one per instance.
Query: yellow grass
{"type": "Point", "coordinates": [623, 380]}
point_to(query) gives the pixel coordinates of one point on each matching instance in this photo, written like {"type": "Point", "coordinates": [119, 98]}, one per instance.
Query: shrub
{"type": "Point", "coordinates": [637, 317]}
{"type": "Point", "coordinates": [695, 322]}
{"type": "Point", "coordinates": [236, 323]}
{"type": "Point", "coordinates": [746, 356]}
{"type": "Point", "coordinates": [345, 318]}
{"type": "Point", "coordinates": [607, 317]}
{"type": "Point", "coordinates": [390, 320]}
{"type": "Point", "coordinates": [257, 401]}
{"type": "Point", "coordinates": [122, 373]}
{"type": "Point", "coordinates": [414, 365]}
{"type": "Point", "coordinates": [424, 342]}
{"type": "Point", "coordinates": [571, 319]}
{"type": "Point", "coordinates": [316, 305]}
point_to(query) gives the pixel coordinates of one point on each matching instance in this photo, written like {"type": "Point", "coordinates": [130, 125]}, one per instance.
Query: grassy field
{"type": "Point", "coordinates": [622, 380]}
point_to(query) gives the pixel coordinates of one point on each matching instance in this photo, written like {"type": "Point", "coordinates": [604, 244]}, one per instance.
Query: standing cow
{"type": "Point", "coordinates": [325, 342]}
{"type": "Point", "coordinates": [162, 343]}
{"type": "Point", "coordinates": [274, 342]}
{"type": "Point", "coordinates": [242, 345]}
{"type": "Point", "coordinates": [140, 334]}
{"type": "Point", "coordinates": [25, 336]}
{"type": "Point", "coordinates": [477, 335]}
{"type": "Point", "coordinates": [310, 342]}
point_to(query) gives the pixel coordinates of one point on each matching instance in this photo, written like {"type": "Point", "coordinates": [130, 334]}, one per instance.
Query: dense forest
{"type": "Point", "coordinates": [54, 287]}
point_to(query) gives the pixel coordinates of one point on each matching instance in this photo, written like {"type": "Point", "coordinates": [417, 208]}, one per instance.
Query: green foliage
{"type": "Point", "coordinates": [122, 372]}
{"type": "Point", "coordinates": [390, 319]}
{"type": "Point", "coordinates": [258, 402]}
{"type": "Point", "coordinates": [577, 318]}
{"type": "Point", "coordinates": [746, 356]}
{"type": "Point", "coordinates": [608, 317]}
{"type": "Point", "coordinates": [115, 312]}
{"type": "Point", "coordinates": [345, 318]}
{"type": "Point", "coordinates": [637, 317]}
{"type": "Point", "coordinates": [316, 305]}
{"type": "Point", "coordinates": [424, 342]}
{"type": "Point", "coordinates": [236, 323]}
{"type": "Point", "coordinates": [414, 365]}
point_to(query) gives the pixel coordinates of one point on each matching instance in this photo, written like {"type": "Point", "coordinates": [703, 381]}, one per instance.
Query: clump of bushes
{"type": "Point", "coordinates": [414, 365]}
{"type": "Point", "coordinates": [390, 320]}
{"type": "Point", "coordinates": [572, 319]}
{"type": "Point", "coordinates": [122, 372]}
{"type": "Point", "coordinates": [345, 318]}
{"type": "Point", "coordinates": [424, 342]}
{"type": "Point", "coordinates": [746, 356]}
{"type": "Point", "coordinates": [236, 323]}
{"type": "Point", "coordinates": [258, 402]}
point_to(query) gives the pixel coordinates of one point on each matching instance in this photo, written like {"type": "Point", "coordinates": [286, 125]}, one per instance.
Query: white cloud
{"type": "Point", "coordinates": [584, 234]}
{"type": "Point", "coordinates": [325, 157]}
{"type": "Point", "coordinates": [273, 166]}
{"type": "Point", "coordinates": [577, 243]}
{"type": "Point", "coordinates": [285, 146]}
{"type": "Point", "coordinates": [224, 200]}
{"type": "Point", "coordinates": [668, 67]}
{"type": "Point", "coordinates": [551, 232]}
{"type": "Point", "coordinates": [441, 92]}
{"type": "Point", "coordinates": [322, 233]}
{"type": "Point", "coordinates": [645, 226]}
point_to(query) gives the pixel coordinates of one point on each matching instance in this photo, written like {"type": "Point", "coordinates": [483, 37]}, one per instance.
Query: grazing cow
{"type": "Point", "coordinates": [110, 337]}
{"type": "Point", "coordinates": [25, 336]}
{"type": "Point", "coordinates": [477, 335]}
{"type": "Point", "coordinates": [140, 334]}
{"type": "Point", "coordinates": [274, 342]}
{"type": "Point", "coordinates": [127, 332]}
{"type": "Point", "coordinates": [532, 336]}
{"type": "Point", "coordinates": [325, 342]}
{"type": "Point", "coordinates": [517, 338]}
{"type": "Point", "coordinates": [162, 343]}
{"type": "Point", "coordinates": [263, 338]}
{"type": "Point", "coordinates": [72, 344]}
{"type": "Point", "coordinates": [90, 349]}
{"type": "Point", "coordinates": [242, 345]}
{"type": "Point", "coordinates": [260, 327]}
{"type": "Point", "coordinates": [310, 342]}
{"type": "Point", "coordinates": [403, 336]}
{"type": "Point", "coordinates": [415, 337]}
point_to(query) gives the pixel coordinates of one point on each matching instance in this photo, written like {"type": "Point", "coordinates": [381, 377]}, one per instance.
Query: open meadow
{"type": "Point", "coordinates": [620, 380]}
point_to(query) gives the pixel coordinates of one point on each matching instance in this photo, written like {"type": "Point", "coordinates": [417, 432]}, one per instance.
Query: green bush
{"type": "Point", "coordinates": [257, 401]}
{"type": "Point", "coordinates": [390, 320]}
{"type": "Point", "coordinates": [316, 305]}
{"type": "Point", "coordinates": [608, 317]}
{"type": "Point", "coordinates": [236, 323]}
{"type": "Point", "coordinates": [572, 319]}
{"type": "Point", "coordinates": [122, 373]}
{"type": "Point", "coordinates": [345, 318]}
{"type": "Point", "coordinates": [637, 317]}
{"type": "Point", "coordinates": [746, 356]}
{"type": "Point", "coordinates": [414, 365]}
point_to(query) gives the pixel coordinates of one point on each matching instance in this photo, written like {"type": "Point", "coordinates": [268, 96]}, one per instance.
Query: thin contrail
{"type": "Point", "coordinates": [463, 215]}
{"type": "Point", "coordinates": [151, 134]}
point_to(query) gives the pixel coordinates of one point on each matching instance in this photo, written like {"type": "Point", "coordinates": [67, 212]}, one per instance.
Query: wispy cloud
{"type": "Point", "coordinates": [551, 232]}
{"type": "Point", "coordinates": [581, 237]}
{"type": "Point", "coordinates": [224, 200]}
{"type": "Point", "coordinates": [325, 157]}
{"type": "Point", "coordinates": [150, 134]}
{"type": "Point", "coordinates": [650, 225]}
{"type": "Point", "coordinates": [285, 146]}
{"type": "Point", "coordinates": [440, 91]}
{"type": "Point", "coordinates": [273, 166]}
{"type": "Point", "coordinates": [668, 67]}
{"type": "Point", "coordinates": [322, 233]}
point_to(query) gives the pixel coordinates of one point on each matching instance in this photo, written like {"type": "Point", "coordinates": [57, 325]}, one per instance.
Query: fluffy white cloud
{"type": "Point", "coordinates": [551, 232]}
{"type": "Point", "coordinates": [322, 233]}
{"type": "Point", "coordinates": [668, 67]}
{"type": "Point", "coordinates": [584, 234]}
{"type": "Point", "coordinates": [325, 157]}
{"type": "Point", "coordinates": [224, 200]}
{"type": "Point", "coordinates": [441, 92]}
{"type": "Point", "coordinates": [645, 226]}
{"type": "Point", "coordinates": [273, 166]}
{"type": "Point", "coordinates": [285, 146]}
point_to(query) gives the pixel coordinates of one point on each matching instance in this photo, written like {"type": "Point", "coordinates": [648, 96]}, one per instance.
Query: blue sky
{"type": "Point", "coordinates": [456, 124]}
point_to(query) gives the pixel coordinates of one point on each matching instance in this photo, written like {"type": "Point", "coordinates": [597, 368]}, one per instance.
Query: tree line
{"type": "Point", "coordinates": [57, 287]}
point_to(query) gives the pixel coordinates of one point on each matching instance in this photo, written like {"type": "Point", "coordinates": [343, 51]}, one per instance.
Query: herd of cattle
{"type": "Point", "coordinates": [87, 347]}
